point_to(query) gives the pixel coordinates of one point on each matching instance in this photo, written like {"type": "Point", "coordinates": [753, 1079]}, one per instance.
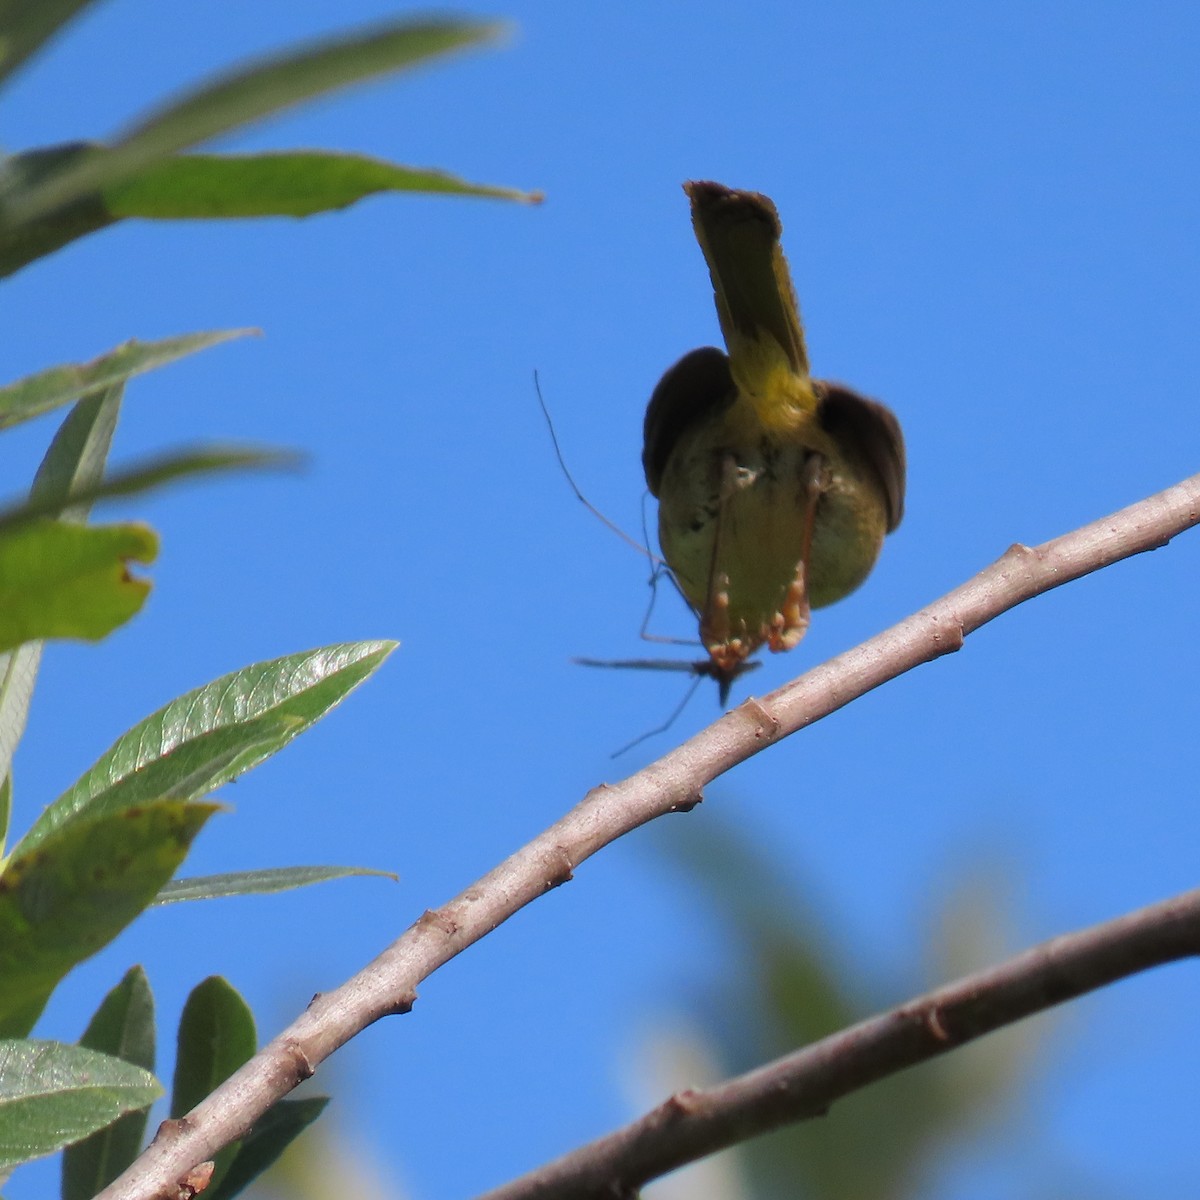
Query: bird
{"type": "Point", "coordinates": [775, 490]}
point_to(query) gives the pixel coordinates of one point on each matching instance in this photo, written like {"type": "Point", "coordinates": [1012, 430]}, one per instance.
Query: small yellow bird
{"type": "Point", "coordinates": [775, 490]}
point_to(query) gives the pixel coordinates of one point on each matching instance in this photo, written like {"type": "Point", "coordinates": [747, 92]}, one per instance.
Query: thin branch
{"type": "Point", "coordinates": [802, 1085]}
{"type": "Point", "coordinates": [674, 783]}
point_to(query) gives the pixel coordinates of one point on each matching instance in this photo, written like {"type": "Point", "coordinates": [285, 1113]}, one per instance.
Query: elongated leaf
{"type": "Point", "coordinates": [150, 474]}
{"type": "Point", "coordinates": [281, 183]}
{"type": "Point", "coordinates": [216, 1036]}
{"type": "Point", "coordinates": [37, 394]}
{"type": "Point", "coordinates": [124, 1023]}
{"type": "Point", "coordinates": [238, 99]}
{"type": "Point", "coordinates": [78, 453]}
{"type": "Point", "coordinates": [18, 673]}
{"type": "Point", "coordinates": [52, 1095]}
{"type": "Point", "coordinates": [77, 891]}
{"type": "Point", "coordinates": [256, 883]}
{"type": "Point", "coordinates": [191, 772]}
{"type": "Point", "coordinates": [70, 581]}
{"type": "Point", "coordinates": [248, 715]}
{"type": "Point", "coordinates": [42, 236]}
{"type": "Point", "coordinates": [5, 813]}
{"type": "Point", "coordinates": [219, 186]}
{"type": "Point", "coordinates": [75, 459]}
{"type": "Point", "coordinates": [24, 243]}
{"type": "Point", "coordinates": [123, 1027]}
{"type": "Point", "coordinates": [26, 24]}
{"type": "Point", "coordinates": [274, 1132]}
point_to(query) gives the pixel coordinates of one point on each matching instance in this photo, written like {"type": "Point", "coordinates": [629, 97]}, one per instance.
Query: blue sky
{"type": "Point", "coordinates": [991, 217]}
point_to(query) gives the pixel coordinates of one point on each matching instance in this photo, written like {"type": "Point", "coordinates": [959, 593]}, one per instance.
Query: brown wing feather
{"type": "Point", "coordinates": [695, 388]}
{"type": "Point", "coordinates": [874, 432]}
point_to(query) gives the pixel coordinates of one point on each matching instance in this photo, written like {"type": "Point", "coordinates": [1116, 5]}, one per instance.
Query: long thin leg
{"type": "Point", "coordinates": [562, 463]}
{"type": "Point", "coordinates": [660, 572]}
{"type": "Point", "coordinates": [637, 741]}
{"type": "Point", "coordinates": [796, 612]}
{"type": "Point", "coordinates": [714, 621]}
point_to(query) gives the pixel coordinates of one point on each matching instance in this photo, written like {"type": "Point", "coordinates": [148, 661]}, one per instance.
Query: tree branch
{"type": "Point", "coordinates": [802, 1085]}
{"type": "Point", "coordinates": [673, 783]}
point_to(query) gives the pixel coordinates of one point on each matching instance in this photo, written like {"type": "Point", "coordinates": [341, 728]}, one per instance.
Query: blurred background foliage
{"type": "Point", "coordinates": [786, 981]}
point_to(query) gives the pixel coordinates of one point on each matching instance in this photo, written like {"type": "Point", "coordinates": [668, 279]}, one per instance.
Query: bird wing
{"type": "Point", "coordinates": [853, 420]}
{"type": "Point", "coordinates": [697, 387]}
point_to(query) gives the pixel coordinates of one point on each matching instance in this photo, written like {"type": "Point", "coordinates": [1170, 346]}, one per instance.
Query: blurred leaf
{"type": "Point", "coordinates": [27, 242]}
{"type": "Point", "coordinates": [52, 1094]}
{"type": "Point", "coordinates": [123, 1027]}
{"type": "Point", "coordinates": [78, 452]}
{"type": "Point", "coordinates": [222, 187]}
{"type": "Point", "coordinates": [76, 458]}
{"type": "Point", "coordinates": [278, 183]}
{"type": "Point", "coordinates": [18, 672]}
{"type": "Point", "coordinates": [793, 986]}
{"type": "Point", "coordinates": [5, 813]}
{"type": "Point", "coordinates": [973, 929]}
{"type": "Point", "coordinates": [786, 946]}
{"type": "Point", "coordinates": [276, 1129]}
{"type": "Point", "coordinates": [254, 883]}
{"type": "Point", "coordinates": [212, 734]}
{"type": "Point", "coordinates": [325, 1164]}
{"type": "Point", "coordinates": [150, 474]}
{"type": "Point", "coordinates": [25, 25]}
{"type": "Point", "coordinates": [235, 100]}
{"type": "Point", "coordinates": [216, 1036]}
{"type": "Point", "coordinates": [62, 902]}
{"type": "Point", "coordinates": [70, 581]}
{"type": "Point", "coordinates": [37, 394]}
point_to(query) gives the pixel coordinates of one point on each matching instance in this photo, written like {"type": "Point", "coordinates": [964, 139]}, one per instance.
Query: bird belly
{"type": "Point", "coordinates": [736, 520]}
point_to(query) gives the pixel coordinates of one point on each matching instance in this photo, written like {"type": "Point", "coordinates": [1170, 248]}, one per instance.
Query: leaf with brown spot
{"type": "Point", "coordinates": [62, 902]}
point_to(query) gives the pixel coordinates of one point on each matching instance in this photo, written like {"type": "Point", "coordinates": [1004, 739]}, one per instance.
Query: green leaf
{"type": "Point", "coordinates": [212, 734]}
{"type": "Point", "coordinates": [276, 1129]}
{"type": "Point", "coordinates": [255, 883]}
{"type": "Point", "coordinates": [78, 452]}
{"type": "Point", "coordinates": [291, 183]}
{"type": "Point", "coordinates": [70, 581]}
{"type": "Point", "coordinates": [217, 186]}
{"type": "Point", "coordinates": [75, 459]}
{"type": "Point", "coordinates": [5, 813]}
{"type": "Point", "coordinates": [26, 24]}
{"type": "Point", "coordinates": [190, 773]}
{"type": "Point", "coordinates": [124, 1023]}
{"type": "Point", "coordinates": [123, 1027]}
{"type": "Point", "coordinates": [37, 394]}
{"type": "Point", "coordinates": [62, 902]}
{"type": "Point", "coordinates": [18, 672]}
{"type": "Point", "coordinates": [238, 99]}
{"type": "Point", "coordinates": [42, 235]}
{"type": "Point", "coordinates": [216, 1036]}
{"type": "Point", "coordinates": [286, 183]}
{"type": "Point", "coordinates": [52, 1095]}
{"type": "Point", "coordinates": [150, 474]}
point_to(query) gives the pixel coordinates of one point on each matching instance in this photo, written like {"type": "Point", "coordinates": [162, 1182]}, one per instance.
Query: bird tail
{"type": "Point", "coordinates": [739, 233]}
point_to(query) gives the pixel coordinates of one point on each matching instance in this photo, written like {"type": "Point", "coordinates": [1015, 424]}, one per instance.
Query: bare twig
{"type": "Point", "coordinates": [802, 1085]}
{"type": "Point", "coordinates": [673, 783]}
